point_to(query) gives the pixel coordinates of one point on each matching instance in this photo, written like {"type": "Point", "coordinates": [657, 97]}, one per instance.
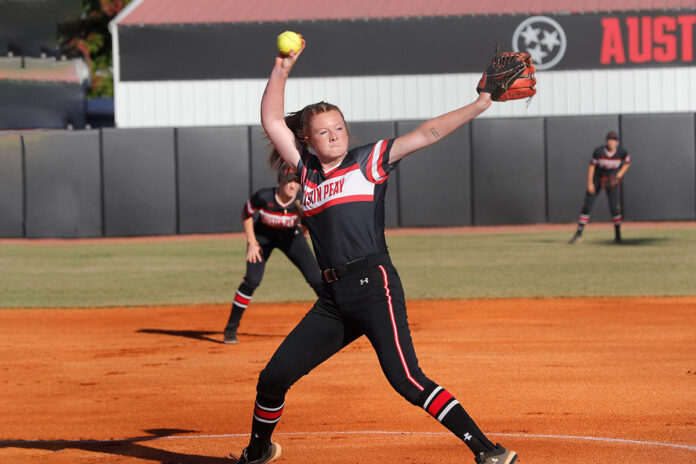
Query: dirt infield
{"type": "Point", "coordinates": [570, 381]}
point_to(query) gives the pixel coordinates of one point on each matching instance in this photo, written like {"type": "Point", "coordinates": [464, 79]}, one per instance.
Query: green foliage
{"type": "Point", "coordinates": [541, 264]}
{"type": "Point", "coordinates": [89, 36]}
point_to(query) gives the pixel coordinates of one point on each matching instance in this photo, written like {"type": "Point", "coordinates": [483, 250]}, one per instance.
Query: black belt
{"type": "Point", "coordinates": [335, 273]}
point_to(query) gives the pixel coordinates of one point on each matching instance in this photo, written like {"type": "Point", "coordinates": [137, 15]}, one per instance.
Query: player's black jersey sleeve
{"type": "Point", "coordinates": [254, 203]}
{"type": "Point", "coordinates": [374, 160]}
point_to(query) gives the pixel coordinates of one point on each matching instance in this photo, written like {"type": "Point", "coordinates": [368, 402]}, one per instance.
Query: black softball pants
{"type": "Point", "coordinates": [369, 302]}
{"type": "Point", "coordinates": [295, 247]}
{"type": "Point", "coordinates": [613, 195]}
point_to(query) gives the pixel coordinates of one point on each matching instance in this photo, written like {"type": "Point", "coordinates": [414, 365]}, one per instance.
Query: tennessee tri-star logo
{"type": "Point", "coordinates": [543, 38]}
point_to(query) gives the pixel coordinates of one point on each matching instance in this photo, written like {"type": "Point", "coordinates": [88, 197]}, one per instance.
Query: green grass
{"type": "Point", "coordinates": [652, 261]}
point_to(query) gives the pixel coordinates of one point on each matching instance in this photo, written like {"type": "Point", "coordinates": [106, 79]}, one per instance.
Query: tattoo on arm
{"type": "Point", "coordinates": [435, 133]}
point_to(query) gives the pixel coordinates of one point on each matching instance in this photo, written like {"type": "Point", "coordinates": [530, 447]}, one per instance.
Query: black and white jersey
{"type": "Point", "coordinates": [606, 165]}
{"type": "Point", "coordinates": [274, 217]}
{"type": "Point", "coordinates": [344, 208]}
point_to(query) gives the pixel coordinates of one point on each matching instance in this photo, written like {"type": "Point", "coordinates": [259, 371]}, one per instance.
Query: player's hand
{"type": "Point", "coordinates": [591, 189]}
{"type": "Point", "coordinates": [254, 253]}
{"type": "Point", "coordinates": [285, 62]}
{"type": "Point", "coordinates": [484, 99]}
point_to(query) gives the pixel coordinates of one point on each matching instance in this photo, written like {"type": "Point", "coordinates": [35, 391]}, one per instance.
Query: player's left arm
{"type": "Point", "coordinates": [624, 168]}
{"type": "Point", "coordinates": [436, 129]}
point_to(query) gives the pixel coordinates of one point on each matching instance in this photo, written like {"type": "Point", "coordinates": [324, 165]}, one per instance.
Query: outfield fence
{"type": "Point", "coordinates": [164, 181]}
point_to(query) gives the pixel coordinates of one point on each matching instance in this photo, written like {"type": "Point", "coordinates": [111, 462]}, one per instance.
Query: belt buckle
{"type": "Point", "coordinates": [330, 275]}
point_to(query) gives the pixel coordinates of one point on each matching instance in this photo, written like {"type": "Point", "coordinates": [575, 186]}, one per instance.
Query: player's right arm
{"type": "Point", "coordinates": [253, 247]}
{"type": "Point", "coordinates": [254, 254]}
{"type": "Point", "coordinates": [590, 180]}
{"type": "Point", "coordinates": [273, 110]}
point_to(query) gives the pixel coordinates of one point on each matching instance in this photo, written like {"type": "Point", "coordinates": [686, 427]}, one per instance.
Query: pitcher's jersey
{"type": "Point", "coordinates": [274, 217]}
{"type": "Point", "coordinates": [344, 208]}
{"type": "Point", "coordinates": [607, 165]}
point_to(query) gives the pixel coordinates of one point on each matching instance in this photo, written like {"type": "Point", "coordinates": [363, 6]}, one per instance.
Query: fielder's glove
{"type": "Point", "coordinates": [509, 77]}
{"type": "Point", "coordinates": [609, 183]}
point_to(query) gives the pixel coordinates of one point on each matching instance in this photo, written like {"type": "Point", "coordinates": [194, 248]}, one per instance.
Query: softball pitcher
{"type": "Point", "coordinates": [343, 203]}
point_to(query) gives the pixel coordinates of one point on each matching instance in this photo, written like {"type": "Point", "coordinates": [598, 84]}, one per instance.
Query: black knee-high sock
{"type": "Point", "coordinates": [440, 404]}
{"type": "Point", "coordinates": [617, 226]}
{"type": "Point", "coordinates": [242, 298]}
{"type": "Point", "coordinates": [582, 222]}
{"type": "Point", "coordinates": [267, 413]}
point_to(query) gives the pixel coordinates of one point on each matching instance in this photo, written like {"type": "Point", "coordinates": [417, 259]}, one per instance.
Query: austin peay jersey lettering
{"type": "Point", "coordinates": [607, 165]}
{"type": "Point", "coordinates": [272, 213]}
{"type": "Point", "coordinates": [344, 208]}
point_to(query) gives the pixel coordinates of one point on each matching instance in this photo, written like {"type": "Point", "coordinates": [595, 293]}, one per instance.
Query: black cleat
{"type": "Point", "coordinates": [577, 238]}
{"type": "Point", "coordinates": [230, 336]}
{"type": "Point", "coordinates": [498, 455]}
{"type": "Point", "coordinates": [271, 454]}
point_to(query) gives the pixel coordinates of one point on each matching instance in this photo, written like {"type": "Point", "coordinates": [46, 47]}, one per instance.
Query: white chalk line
{"type": "Point", "coordinates": [353, 432]}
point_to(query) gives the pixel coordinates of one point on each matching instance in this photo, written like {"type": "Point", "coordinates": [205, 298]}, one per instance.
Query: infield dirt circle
{"type": "Point", "coordinates": [572, 381]}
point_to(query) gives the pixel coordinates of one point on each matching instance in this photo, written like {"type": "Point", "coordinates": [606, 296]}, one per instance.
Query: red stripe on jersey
{"type": "Point", "coordinates": [396, 332]}
{"type": "Point", "coordinates": [380, 160]}
{"type": "Point", "coordinates": [352, 198]}
{"type": "Point", "coordinates": [368, 168]}
{"type": "Point", "coordinates": [382, 180]}
{"type": "Point", "coordinates": [439, 402]}
{"type": "Point", "coordinates": [343, 171]}
{"type": "Point", "coordinates": [277, 220]}
{"type": "Point", "coordinates": [240, 299]}
{"type": "Point", "coordinates": [266, 414]}
{"type": "Point", "coordinates": [310, 184]}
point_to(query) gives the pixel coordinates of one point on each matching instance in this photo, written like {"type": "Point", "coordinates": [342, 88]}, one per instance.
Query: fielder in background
{"type": "Point", "coordinates": [608, 166]}
{"type": "Point", "coordinates": [276, 226]}
{"type": "Point", "coordinates": [343, 205]}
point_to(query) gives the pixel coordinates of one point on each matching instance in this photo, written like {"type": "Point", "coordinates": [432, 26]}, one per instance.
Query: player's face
{"type": "Point", "coordinates": [328, 136]}
{"type": "Point", "coordinates": [612, 144]}
{"type": "Point", "coordinates": [288, 189]}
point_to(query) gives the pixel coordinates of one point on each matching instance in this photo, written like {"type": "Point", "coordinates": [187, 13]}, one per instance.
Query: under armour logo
{"type": "Point", "coordinates": [494, 459]}
{"type": "Point", "coordinates": [467, 436]}
{"type": "Point", "coordinates": [364, 281]}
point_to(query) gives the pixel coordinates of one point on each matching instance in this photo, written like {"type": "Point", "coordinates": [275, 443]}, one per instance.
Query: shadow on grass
{"type": "Point", "coordinates": [125, 447]}
{"type": "Point", "coordinates": [203, 335]}
{"type": "Point", "coordinates": [625, 242]}
{"type": "Point", "coordinates": [634, 241]}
